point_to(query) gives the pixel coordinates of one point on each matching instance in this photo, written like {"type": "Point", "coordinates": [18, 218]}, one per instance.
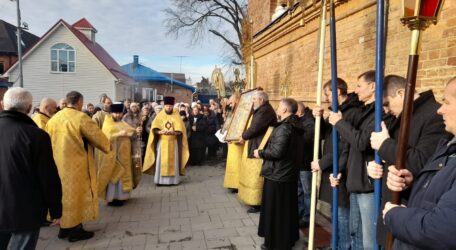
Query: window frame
{"type": "Point", "coordinates": [62, 49]}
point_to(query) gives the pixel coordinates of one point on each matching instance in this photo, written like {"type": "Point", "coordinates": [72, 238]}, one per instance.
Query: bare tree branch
{"type": "Point", "coordinates": [199, 18]}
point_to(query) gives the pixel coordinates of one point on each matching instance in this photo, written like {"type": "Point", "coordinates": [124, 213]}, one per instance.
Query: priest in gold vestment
{"type": "Point", "coordinates": [105, 109]}
{"type": "Point", "coordinates": [250, 182]}
{"type": "Point", "coordinates": [115, 170]}
{"type": "Point", "coordinates": [167, 147]}
{"type": "Point", "coordinates": [233, 160]}
{"type": "Point", "coordinates": [73, 134]}
{"type": "Point", "coordinates": [48, 107]}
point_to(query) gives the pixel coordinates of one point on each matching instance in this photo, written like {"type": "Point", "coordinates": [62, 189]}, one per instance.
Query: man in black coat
{"type": "Point", "coordinates": [29, 182]}
{"type": "Point", "coordinates": [428, 220]}
{"type": "Point", "coordinates": [263, 117]}
{"type": "Point", "coordinates": [305, 175]}
{"type": "Point", "coordinates": [279, 210]}
{"type": "Point", "coordinates": [360, 152]}
{"type": "Point", "coordinates": [197, 139]}
{"type": "Point", "coordinates": [426, 131]}
{"type": "Point", "coordinates": [350, 107]}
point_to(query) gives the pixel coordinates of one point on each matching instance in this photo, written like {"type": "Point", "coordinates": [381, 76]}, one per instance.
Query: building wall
{"type": "Point", "coordinates": [287, 51]}
{"type": "Point", "coordinates": [7, 61]}
{"type": "Point", "coordinates": [179, 93]}
{"type": "Point", "coordinates": [91, 77]}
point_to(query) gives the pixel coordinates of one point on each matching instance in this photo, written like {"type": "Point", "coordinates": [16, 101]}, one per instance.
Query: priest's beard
{"type": "Point", "coordinates": [168, 112]}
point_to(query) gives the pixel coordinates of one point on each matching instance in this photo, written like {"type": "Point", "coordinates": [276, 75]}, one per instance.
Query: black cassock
{"type": "Point", "coordinates": [279, 221]}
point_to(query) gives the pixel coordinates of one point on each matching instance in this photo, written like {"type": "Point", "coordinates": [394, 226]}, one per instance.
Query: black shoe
{"type": "Point", "coordinates": [116, 203]}
{"type": "Point", "coordinates": [253, 210]}
{"type": "Point", "coordinates": [46, 223]}
{"type": "Point", "coordinates": [233, 190]}
{"type": "Point", "coordinates": [64, 232]}
{"type": "Point", "coordinates": [79, 234]}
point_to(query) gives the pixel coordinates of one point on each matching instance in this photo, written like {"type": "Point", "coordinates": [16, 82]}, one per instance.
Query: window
{"type": "Point", "coordinates": [63, 58]}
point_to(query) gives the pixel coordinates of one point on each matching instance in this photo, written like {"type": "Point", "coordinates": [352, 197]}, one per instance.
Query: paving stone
{"type": "Point", "coordinates": [219, 233]}
{"type": "Point", "coordinates": [233, 223]}
{"type": "Point", "coordinates": [242, 241]}
{"type": "Point", "coordinates": [218, 243]}
{"type": "Point", "coordinates": [179, 221]}
{"type": "Point", "coordinates": [194, 245]}
{"type": "Point", "coordinates": [251, 230]}
{"type": "Point", "coordinates": [197, 214]}
{"type": "Point", "coordinates": [174, 237]}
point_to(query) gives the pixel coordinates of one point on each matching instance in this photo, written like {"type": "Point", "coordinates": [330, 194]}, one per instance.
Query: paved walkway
{"type": "Point", "coordinates": [197, 214]}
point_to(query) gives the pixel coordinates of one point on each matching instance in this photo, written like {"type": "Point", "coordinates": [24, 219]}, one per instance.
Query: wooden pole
{"type": "Point", "coordinates": [406, 114]}
{"type": "Point", "coordinates": [313, 197]}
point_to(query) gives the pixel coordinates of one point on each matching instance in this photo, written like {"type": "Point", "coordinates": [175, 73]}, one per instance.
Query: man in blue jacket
{"type": "Point", "coordinates": [428, 221]}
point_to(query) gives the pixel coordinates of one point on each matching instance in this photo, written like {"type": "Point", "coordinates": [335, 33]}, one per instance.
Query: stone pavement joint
{"type": "Point", "coordinates": [197, 214]}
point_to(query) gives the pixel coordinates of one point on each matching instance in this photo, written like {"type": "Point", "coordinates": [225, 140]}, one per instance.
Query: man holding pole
{"type": "Point", "coordinates": [350, 107]}
{"type": "Point", "coordinates": [360, 153]}
{"type": "Point", "coordinates": [427, 222]}
{"type": "Point", "coordinates": [426, 132]}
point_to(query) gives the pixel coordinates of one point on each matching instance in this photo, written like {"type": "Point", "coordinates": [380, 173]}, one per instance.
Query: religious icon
{"type": "Point", "coordinates": [218, 82]}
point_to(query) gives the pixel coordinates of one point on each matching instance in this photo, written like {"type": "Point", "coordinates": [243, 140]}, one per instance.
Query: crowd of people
{"type": "Point", "coordinates": [56, 164]}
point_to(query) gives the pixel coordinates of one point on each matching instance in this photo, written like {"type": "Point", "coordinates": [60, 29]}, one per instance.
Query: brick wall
{"type": "Point", "coordinates": [287, 46]}
{"type": "Point", "coordinates": [260, 12]}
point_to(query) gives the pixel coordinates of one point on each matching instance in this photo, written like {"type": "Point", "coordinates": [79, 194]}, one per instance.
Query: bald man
{"type": "Point", "coordinates": [48, 107]}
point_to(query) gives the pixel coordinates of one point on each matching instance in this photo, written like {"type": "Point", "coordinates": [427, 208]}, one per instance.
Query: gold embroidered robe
{"type": "Point", "coordinates": [173, 122]}
{"type": "Point", "coordinates": [117, 164]}
{"type": "Point", "coordinates": [250, 182]}
{"type": "Point", "coordinates": [233, 165]}
{"type": "Point", "coordinates": [40, 119]}
{"type": "Point", "coordinates": [99, 118]}
{"type": "Point", "coordinates": [73, 134]}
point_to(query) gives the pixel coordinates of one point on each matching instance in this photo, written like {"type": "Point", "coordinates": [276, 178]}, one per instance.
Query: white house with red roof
{"type": "Point", "coordinates": [67, 57]}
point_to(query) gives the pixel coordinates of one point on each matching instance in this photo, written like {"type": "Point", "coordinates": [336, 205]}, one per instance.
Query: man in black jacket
{"type": "Point", "coordinates": [305, 175]}
{"type": "Point", "coordinates": [350, 107]}
{"type": "Point", "coordinates": [29, 182]}
{"type": "Point", "coordinates": [428, 219]}
{"type": "Point", "coordinates": [360, 152]}
{"type": "Point", "coordinates": [426, 131]}
{"type": "Point", "coordinates": [279, 210]}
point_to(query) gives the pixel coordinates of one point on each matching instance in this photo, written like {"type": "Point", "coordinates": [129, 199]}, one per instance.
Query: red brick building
{"type": "Point", "coordinates": [285, 49]}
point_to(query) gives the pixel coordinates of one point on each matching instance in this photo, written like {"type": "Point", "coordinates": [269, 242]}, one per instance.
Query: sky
{"type": "Point", "coordinates": [125, 28]}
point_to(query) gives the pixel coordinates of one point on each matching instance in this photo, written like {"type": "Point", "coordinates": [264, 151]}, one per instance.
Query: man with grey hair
{"type": "Point", "coordinates": [250, 181]}
{"type": "Point", "coordinates": [29, 182]}
{"type": "Point", "coordinates": [48, 107]}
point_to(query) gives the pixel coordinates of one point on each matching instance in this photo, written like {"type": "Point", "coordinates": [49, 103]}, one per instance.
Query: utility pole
{"type": "Point", "coordinates": [19, 44]}
{"type": "Point", "coordinates": [180, 67]}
